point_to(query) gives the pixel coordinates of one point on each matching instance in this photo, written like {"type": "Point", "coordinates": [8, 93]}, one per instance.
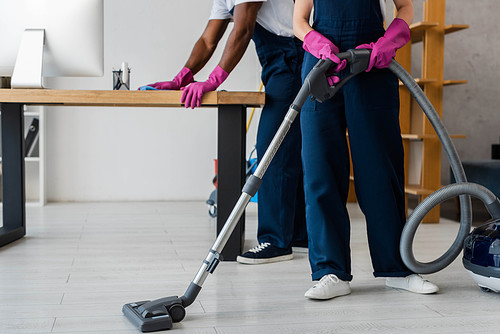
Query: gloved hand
{"type": "Point", "coordinates": [182, 79]}
{"type": "Point", "coordinates": [383, 50]}
{"type": "Point", "coordinates": [192, 94]}
{"type": "Point", "coordinates": [332, 78]}
{"type": "Point", "coordinates": [321, 47]}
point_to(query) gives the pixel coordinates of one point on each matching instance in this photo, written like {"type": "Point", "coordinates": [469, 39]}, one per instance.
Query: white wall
{"type": "Point", "coordinates": [163, 154]}
{"type": "Point", "coordinates": [116, 154]}
{"type": "Point", "coordinates": [471, 109]}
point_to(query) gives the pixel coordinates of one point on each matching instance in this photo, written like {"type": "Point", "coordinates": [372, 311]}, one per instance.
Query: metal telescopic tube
{"type": "Point", "coordinates": [240, 206]}
{"type": "Point", "coordinates": [223, 237]}
{"type": "Point", "coordinates": [276, 142]}
{"type": "Point", "coordinates": [290, 116]}
{"type": "Point", "coordinates": [201, 275]}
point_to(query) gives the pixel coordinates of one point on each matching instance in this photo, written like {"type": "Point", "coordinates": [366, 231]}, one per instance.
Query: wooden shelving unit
{"type": "Point", "coordinates": [418, 29]}
{"type": "Point", "coordinates": [415, 126]}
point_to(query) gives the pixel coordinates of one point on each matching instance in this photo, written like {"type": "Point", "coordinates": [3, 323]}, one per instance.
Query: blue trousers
{"type": "Point", "coordinates": [368, 106]}
{"type": "Point", "coordinates": [281, 207]}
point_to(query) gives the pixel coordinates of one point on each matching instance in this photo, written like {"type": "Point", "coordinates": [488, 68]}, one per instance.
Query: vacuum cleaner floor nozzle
{"type": "Point", "coordinates": [150, 322]}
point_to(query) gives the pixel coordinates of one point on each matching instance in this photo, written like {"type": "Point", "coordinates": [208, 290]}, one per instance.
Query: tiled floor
{"type": "Point", "coordinates": [80, 262]}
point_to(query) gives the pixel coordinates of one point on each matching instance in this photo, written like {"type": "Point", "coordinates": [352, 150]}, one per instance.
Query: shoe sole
{"type": "Point", "coordinates": [246, 260]}
{"type": "Point", "coordinates": [338, 294]}
{"type": "Point", "coordinates": [420, 292]}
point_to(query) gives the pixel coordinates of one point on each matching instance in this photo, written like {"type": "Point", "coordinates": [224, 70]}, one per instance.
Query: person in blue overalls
{"type": "Point", "coordinates": [281, 212]}
{"type": "Point", "coordinates": [368, 106]}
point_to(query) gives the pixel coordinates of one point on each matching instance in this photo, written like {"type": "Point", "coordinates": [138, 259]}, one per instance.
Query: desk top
{"type": "Point", "coordinates": [124, 98]}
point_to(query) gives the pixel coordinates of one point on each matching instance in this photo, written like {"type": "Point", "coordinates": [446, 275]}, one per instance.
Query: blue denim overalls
{"type": "Point", "coordinates": [368, 106]}
{"type": "Point", "coordinates": [281, 197]}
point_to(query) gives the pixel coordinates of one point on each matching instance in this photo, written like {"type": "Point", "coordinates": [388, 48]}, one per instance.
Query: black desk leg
{"type": "Point", "coordinates": [231, 168]}
{"type": "Point", "coordinates": [13, 189]}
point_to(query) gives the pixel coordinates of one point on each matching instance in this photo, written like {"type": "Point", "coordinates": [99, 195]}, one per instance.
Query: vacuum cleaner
{"type": "Point", "coordinates": [482, 256]}
{"type": "Point", "coordinates": [482, 246]}
{"type": "Point", "coordinates": [160, 314]}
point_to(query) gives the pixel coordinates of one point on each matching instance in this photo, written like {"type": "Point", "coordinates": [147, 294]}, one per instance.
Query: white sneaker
{"type": "Point", "coordinates": [413, 283]}
{"type": "Point", "coordinates": [329, 286]}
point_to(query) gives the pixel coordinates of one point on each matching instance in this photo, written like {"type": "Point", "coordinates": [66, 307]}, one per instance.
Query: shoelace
{"type": "Point", "coordinates": [260, 247]}
{"type": "Point", "coordinates": [325, 279]}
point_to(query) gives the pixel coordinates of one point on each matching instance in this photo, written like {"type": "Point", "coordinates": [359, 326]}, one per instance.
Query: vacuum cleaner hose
{"type": "Point", "coordinates": [430, 202]}
{"type": "Point", "coordinates": [441, 195]}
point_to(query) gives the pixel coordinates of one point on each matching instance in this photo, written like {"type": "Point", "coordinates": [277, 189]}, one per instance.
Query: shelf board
{"type": "Point", "coordinates": [454, 82]}
{"type": "Point", "coordinates": [28, 204]}
{"type": "Point", "coordinates": [34, 204]}
{"type": "Point", "coordinates": [418, 29]}
{"type": "Point", "coordinates": [415, 189]}
{"type": "Point", "coordinates": [28, 159]}
{"type": "Point", "coordinates": [31, 114]}
{"type": "Point", "coordinates": [455, 27]}
{"type": "Point", "coordinates": [421, 82]}
{"type": "Point", "coordinates": [414, 136]}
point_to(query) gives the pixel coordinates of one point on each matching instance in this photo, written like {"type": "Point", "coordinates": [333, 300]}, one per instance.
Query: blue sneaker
{"type": "Point", "coordinates": [265, 253]}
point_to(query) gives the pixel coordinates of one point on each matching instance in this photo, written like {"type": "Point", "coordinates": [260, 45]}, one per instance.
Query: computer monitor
{"type": "Point", "coordinates": [46, 38]}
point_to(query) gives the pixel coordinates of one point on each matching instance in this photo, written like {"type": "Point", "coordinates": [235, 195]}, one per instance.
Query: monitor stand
{"type": "Point", "coordinates": [28, 70]}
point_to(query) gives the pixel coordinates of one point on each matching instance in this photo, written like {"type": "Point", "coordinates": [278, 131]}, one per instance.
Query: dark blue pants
{"type": "Point", "coordinates": [281, 211]}
{"type": "Point", "coordinates": [368, 106]}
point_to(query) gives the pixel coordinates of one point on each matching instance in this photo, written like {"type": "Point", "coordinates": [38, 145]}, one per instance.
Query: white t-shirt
{"type": "Point", "coordinates": [382, 8]}
{"type": "Point", "coordinates": [276, 16]}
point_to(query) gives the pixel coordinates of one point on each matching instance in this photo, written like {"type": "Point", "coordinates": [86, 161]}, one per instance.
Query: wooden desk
{"type": "Point", "coordinates": [231, 143]}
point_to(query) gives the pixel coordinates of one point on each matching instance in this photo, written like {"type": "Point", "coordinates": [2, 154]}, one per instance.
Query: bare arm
{"type": "Point", "coordinates": [301, 15]}
{"type": "Point", "coordinates": [206, 44]}
{"type": "Point", "coordinates": [245, 16]}
{"type": "Point", "coordinates": [405, 10]}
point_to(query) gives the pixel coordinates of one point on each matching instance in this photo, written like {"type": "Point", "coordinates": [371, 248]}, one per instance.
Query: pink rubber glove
{"type": "Point", "coordinates": [182, 79]}
{"type": "Point", "coordinates": [321, 47]}
{"type": "Point", "coordinates": [395, 37]}
{"type": "Point", "coordinates": [192, 94]}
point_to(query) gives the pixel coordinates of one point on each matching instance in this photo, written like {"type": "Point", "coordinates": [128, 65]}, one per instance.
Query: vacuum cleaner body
{"type": "Point", "coordinates": [482, 255]}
